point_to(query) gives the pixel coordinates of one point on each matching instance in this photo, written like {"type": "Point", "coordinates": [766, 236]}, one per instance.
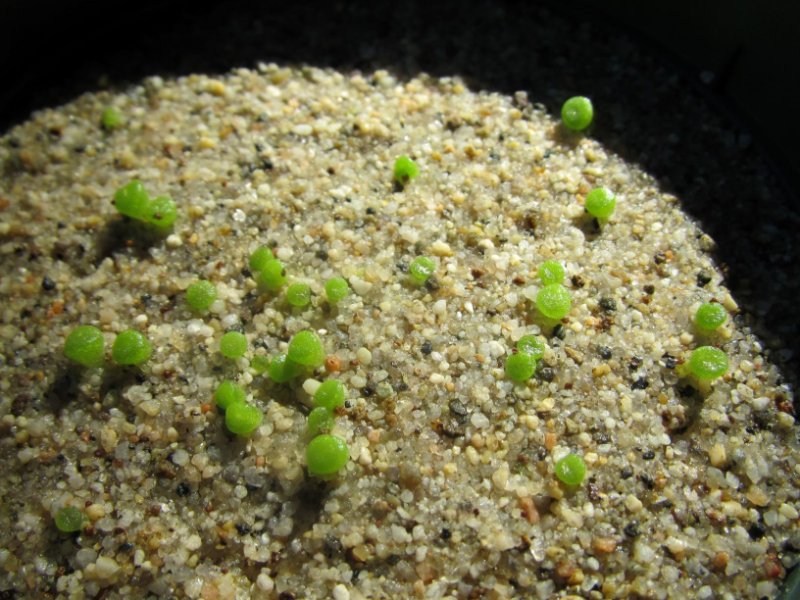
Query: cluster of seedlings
{"type": "Point", "coordinates": [326, 453]}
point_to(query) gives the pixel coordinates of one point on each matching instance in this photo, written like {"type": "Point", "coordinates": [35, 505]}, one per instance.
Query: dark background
{"type": "Point", "coordinates": [700, 94]}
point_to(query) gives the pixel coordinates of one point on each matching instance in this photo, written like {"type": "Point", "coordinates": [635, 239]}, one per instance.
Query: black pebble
{"type": "Point", "coordinates": [432, 283]}
{"type": "Point", "coordinates": [608, 304]}
{"type": "Point", "coordinates": [183, 489]}
{"type": "Point", "coordinates": [242, 529]}
{"type": "Point", "coordinates": [640, 384]}
{"type": "Point", "coordinates": [426, 347]}
{"type": "Point", "coordinates": [48, 285]}
{"type": "Point", "coordinates": [632, 529]}
{"type": "Point", "coordinates": [332, 546]}
{"type": "Point", "coordinates": [604, 352]}
{"type": "Point", "coordinates": [446, 533]}
{"type": "Point", "coordinates": [458, 409]}
{"type": "Point", "coordinates": [649, 289]}
{"type": "Point", "coordinates": [648, 454]}
{"type": "Point", "coordinates": [626, 473]}
{"type": "Point", "coordinates": [703, 279]}
{"type": "Point", "coordinates": [546, 374]}
{"type": "Point", "coordinates": [757, 531]}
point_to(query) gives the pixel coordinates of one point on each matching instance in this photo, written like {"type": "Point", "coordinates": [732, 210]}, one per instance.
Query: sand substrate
{"type": "Point", "coordinates": [691, 489]}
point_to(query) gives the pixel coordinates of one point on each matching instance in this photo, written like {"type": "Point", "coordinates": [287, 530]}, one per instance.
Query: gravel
{"type": "Point", "coordinates": [301, 160]}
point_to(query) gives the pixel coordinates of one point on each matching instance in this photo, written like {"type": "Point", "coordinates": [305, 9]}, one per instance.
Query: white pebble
{"type": "Point", "coordinates": [788, 511]}
{"type": "Point", "coordinates": [632, 503]}
{"type": "Point", "coordinates": [311, 386]}
{"type": "Point", "coordinates": [761, 403]}
{"type": "Point", "coordinates": [717, 456]}
{"type": "Point", "coordinates": [150, 408]}
{"type": "Point", "coordinates": [105, 567]}
{"type": "Point", "coordinates": [440, 248]}
{"type": "Point", "coordinates": [479, 420]}
{"type": "Point", "coordinates": [705, 592]}
{"type": "Point", "coordinates": [360, 286]}
{"type": "Point", "coordinates": [85, 557]}
{"type": "Point", "coordinates": [193, 542]}
{"type": "Point", "coordinates": [364, 356]}
{"type": "Point", "coordinates": [174, 241]}
{"type": "Point", "coordinates": [180, 457]}
{"type": "Point", "coordinates": [340, 592]}
{"type": "Point", "coordinates": [229, 320]}
{"type": "Point", "coordinates": [265, 583]}
{"type": "Point", "coordinates": [643, 553]}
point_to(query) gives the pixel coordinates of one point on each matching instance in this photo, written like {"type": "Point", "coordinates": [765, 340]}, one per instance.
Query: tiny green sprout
{"type": "Point", "coordinates": [162, 212]}
{"type": "Point", "coordinates": [533, 345]}
{"type": "Point", "coordinates": [710, 316]}
{"type": "Point", "coordinates": [305, 348]}
{"type": "Point", "coordinates": [320, 420]}
{"type": "Point", "coordinates": [554, 301]}
{"type": "Point", "coordinates": [600, 203]}
{"type": "Point", "coordinates": [405, 170]}
{"type": "Point", "coordinates": [69, 519]}
{"type": "Point", "coordinates": [85, 345]}
{"type": "Point", "coordinates": [551, 271]}
{"type": "Point", "coordinates": [233, 345]}
{"type": "Point", "coordinates": [201, 295]}
{"type": "Point", "coordinates": [110, 119]}
{"type": "Point", "coordinates": [420, 269]}
{"type": "Point", "coordinates": [259, 259]}
{"type": "Point", "coordinates": [272, 275]}
{"type": "Point", "coordinates": [707, 362]}
{"type": "Point", "coordinates": [336, 289]}
{"type": "Point", "coordinates": [260, 363]}
{"type": "Point", "coordinates": [330, 394]}
{"type": "Point", "coordinates": [571, 469]}
{"type": "Point", "coordinates": [228, 393]}
{"type": "Point", "coordinates": [298, 294]}
{"type": "Point", "coordinates": [281, 369]}
{"type": "Point", "coordinates": [131, 348]}
{"type": "Point", "coordinates": [325, 455]}
{"type": "Point", "coordinates": [132, 201]}
{"type": "Point", "coordinates": [242, 418]}
{"type": "Point", "coordinates": [520, 367]}
{"type": "Point", "coordinates": [577, 113]}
